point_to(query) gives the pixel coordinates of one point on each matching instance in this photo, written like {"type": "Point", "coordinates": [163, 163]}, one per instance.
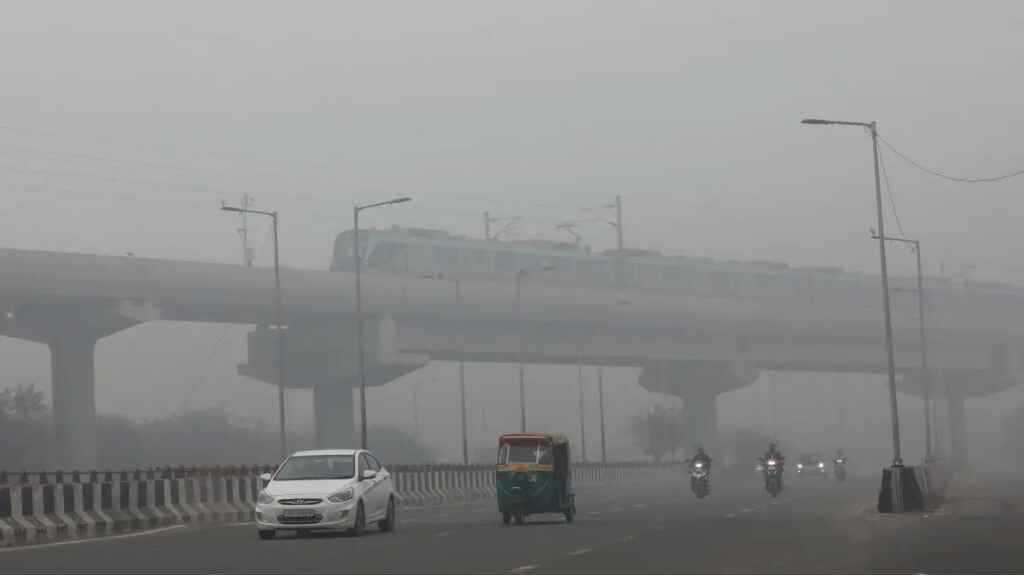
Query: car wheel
{"type": "Point", "coordinates": [267, 534]}
{"type": "Point", "coordinates": [388, 523]}
{"type": "Point", "coordinates": [519, 518]}
{"type": "Point", "coordinates": [360, 523]}
{"type": "Point", "coordinates": [506, 518]}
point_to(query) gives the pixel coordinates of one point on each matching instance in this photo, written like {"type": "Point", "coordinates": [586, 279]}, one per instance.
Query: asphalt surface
{"type": "Point", "coordinates": [816, 526]}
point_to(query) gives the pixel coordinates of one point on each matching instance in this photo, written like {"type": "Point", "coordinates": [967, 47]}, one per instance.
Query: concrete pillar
{"type": "Point", "coordinates": [700, 419]}
{"type": "Point", "coordinates": [332, 409]}
{"type": "Point", "coordinates": [74, 400]}
{"type": "Point", "coordinates": [958, 430]}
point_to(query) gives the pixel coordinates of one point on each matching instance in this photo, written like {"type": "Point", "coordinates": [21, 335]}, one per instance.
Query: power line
{"type": "Point", "coordinates": [888, 192]}
{"type": "Point", "coordinates": [938, 174]}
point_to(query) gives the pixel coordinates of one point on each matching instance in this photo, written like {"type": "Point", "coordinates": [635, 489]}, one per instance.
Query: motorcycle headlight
{"type": "Point", "coordinates": [772, 463]}
{"type": "Point", "coordinates": [343, 496]}
{"type": "Point", "coordinates": [264, 498]}
{"type": "Point", "coordinates": [821, 464]}
{"type": "Point", "coordinates": [699, 464]}
{"type": "Point", "coordinates": [799, 465]}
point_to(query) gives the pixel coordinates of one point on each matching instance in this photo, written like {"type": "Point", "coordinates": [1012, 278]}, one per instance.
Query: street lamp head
{"type": "Point", "coordinates": [400, 200]}
{"type": "Point", "coordinates": [815, 121]}
{"type": "Point", "coordinates": [227, 208]}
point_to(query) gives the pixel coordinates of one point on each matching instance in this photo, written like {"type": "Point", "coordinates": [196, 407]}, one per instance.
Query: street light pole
{"type": "Point", "coordinates": [897, 460]}
{"type": "Point", "coordinates": [519, 321]}
{"type": "Point", "coordinates": [279, 320]}
{"type": "Point", "coordinates": [462, 375]}
{"type": "Point", "coordinates": [915, 245]}
{"type": "Point", "coordinates": [583, 428]}
{"type": "Point", "coordinates": [600, 401]}
{"type": "Point", "coordinates": [522, 375]}
{"type": "Point", "coordinates": [357, 257]}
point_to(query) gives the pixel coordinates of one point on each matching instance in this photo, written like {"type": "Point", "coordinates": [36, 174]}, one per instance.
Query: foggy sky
{"type": "Point", "coordinates": [124, 124]}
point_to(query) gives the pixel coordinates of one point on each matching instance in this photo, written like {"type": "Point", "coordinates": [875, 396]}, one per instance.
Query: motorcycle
{"type": "Point", "coordinates": [700, 479]}
{"type": "Point", "coordinates": [773, 477]}
{"type": "Point", "coordinates": [839, 469]}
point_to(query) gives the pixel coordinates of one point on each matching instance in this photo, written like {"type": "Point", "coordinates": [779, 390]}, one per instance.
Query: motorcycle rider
{"type": "Point", "coordinates": [774, 454]}
{"type": "Point", "coordinates": [701, 456]}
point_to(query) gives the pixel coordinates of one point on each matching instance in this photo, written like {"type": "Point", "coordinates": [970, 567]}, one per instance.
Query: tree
{"type": "Point", "coordinates": [659, 432]}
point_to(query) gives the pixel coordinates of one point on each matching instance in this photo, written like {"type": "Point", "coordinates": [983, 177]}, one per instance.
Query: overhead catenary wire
{"type": "Point", "coordinates": [888, 192]}
{"type": "Point", "coordinates": [936, 173]}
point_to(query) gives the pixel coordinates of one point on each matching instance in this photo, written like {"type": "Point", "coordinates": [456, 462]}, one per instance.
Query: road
{"type": "Point", "coordinates": [816, 526]}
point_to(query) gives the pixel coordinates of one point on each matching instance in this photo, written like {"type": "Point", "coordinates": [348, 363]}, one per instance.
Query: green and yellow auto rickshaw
{"type": "Point", "coordinates": [533, 477]}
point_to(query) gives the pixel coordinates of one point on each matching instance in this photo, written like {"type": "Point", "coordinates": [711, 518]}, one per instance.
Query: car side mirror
{"type": "Point", "coordinates": [265, 477]}
{"type": "Point", "coordinates": [368, 474]}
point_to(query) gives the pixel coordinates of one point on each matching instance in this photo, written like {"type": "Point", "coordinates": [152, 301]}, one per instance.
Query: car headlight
{"type": "Point", "coordinates": [772, 463]}
{"type": "Point", "coordinates": [343, 496]}
{"type": "Point", "coordinates": [264, 498]}
{"type": "Point", "coordinates": [699, 464]}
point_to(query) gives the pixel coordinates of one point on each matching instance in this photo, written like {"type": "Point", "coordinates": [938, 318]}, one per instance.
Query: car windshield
{"type": "Point", "coordinates": [522, 453]}
{"type": "Point", "coordinates": [317, 468]}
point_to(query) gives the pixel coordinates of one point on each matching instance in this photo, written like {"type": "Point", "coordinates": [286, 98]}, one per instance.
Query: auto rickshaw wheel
{"type": "Point", "coordinates": [506, 518]}
{"type": "Point", "coordinates": [570, 514]}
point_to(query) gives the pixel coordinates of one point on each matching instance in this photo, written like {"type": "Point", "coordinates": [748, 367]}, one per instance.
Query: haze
{"type": "Point", "coordinates": [123, 125]}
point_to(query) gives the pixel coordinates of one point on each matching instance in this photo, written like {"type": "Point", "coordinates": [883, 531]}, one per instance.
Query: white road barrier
{"type": "Point", "coordinates": [55, 506]}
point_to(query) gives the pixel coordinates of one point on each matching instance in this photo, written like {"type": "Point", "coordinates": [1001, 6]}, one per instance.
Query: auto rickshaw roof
{"type": "Point", "coordinates": [552, 438]}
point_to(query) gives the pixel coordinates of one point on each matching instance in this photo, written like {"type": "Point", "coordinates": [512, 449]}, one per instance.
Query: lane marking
{"type": "Point", "coordinates": [579, 552]}
{"type": "Point", "coordinates": [638, 506]}
{"type": "Point", "coordinates": [593, 513]}
{"type": "Point", "coordinates": [730, 515]}
{"type": "Point", "coordinates": [745, 510]}
{"type": "Point", "coordinates": [526, 568]}
{"type": "Point", "coordinates": [445, 533]}
{"type": "Point", "coordinates": [236, 524]}
{"type": "Point", "coordinates": [90, 540]}
{"type": "Point", "coordinates": [616, 510]}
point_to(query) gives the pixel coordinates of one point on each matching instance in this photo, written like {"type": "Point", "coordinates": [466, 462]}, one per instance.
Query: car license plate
{"type": "Point", "coordinates": [301, 513]}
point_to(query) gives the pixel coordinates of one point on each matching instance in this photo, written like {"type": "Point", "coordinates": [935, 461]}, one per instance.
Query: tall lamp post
{"type": "Point", "coordinates": [460, 346]}
{"type": "Point", "coordinates": [278, 320]}
{"type": "Point", "coordinates": [915, 245]}
{"type": "Point", "coordinates": [519, 321]}
{"type": "Point", "coordinates": [357, 257]}
{"type": "Point", "coordinates": [897, 460]}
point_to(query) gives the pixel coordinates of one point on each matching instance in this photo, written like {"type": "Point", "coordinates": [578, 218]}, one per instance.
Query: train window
{"type": "Point", "coordinates": [420, 259]}
{"type": "Point", "coordinates": [506, 261]}
{"type": "Point", "coordinates": [530, 262]}
{"type": "Point", "coordinates": [382, 256]}
{"type": "Point", "coordinates": [447, 259]}
{"type": "Point", "coordinates": [477, 261]}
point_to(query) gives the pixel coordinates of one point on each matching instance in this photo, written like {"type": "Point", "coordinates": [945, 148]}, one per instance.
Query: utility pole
{"type": "Point", "coordinates": [279, 321]}
{"type": "Point", "coordinates": [915, 246]}
{"type": "Point", "coordinates": [618, 220]}
{"type": "Point", "coordinates": [600, 400]}
{"type": "Point", "coordinates": [488, 220]}
{"type": "Point", "coordinates": [247, 202]}
{"type": "Point", "coordinates": [872, 128]}
{"type": "Point", "coordinates": [583, 428]}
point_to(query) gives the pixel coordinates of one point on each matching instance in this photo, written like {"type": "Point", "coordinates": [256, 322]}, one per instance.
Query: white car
{"type": "Point", "coordinates": [326, 490]}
